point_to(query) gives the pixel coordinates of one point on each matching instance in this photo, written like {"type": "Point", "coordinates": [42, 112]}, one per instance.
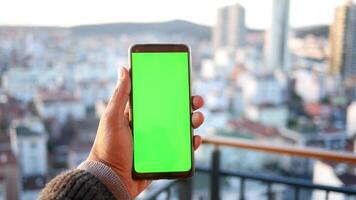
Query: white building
{"type": "Point", "coordinates": [223, 59]}
{"type": "Point", "coordinates": [351, 120]}
{"type": "Point", "coordinates": [21, 83]}
{"type": "Point", "coordinates": [93, 82]}
{"type": "Point", "coordinates": [237, 102]}
{"type": "Point", "coordinates": [208, 69]}
{"type": "Point", "coordinates": [263, 99]}
{"type": "Point", "coordinates": [216, 103]}
{"type": "Point", "coordinates": [31, 149]}
{"type": "Point", "coordinates": [276, 46]}
{"type": "Point", "coordinates": [93, 71]}
{"type": "Point", "coordinates": [270, 115]}
{"type": "Point", "coordinates": [91, 92]}
{"type": "Point", "coordinates": [262, 89]}
{"type": "Point", "coordinates": [60, 105]}
{"type": "Point", "coordinates": [310, 86]}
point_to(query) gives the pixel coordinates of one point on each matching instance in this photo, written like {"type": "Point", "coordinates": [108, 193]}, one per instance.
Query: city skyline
{"type": "Point", "coordinates": [44, 13]}
{"type": "Point", "coordinates": [55, 85]}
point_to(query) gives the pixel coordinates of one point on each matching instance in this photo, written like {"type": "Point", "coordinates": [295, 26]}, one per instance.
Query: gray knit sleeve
{"type": "Point", "coordinates": [76, 184]}
{"type": "Point", "coordinates": [108, 177]}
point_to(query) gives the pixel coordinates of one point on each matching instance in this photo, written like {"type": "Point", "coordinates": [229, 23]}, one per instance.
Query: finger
{"type": "Point", "coordinates": [197, 102]}
{"type": "Point", "coordinates": [197, 119]}
{"type": "Point", "coordinates": [196, 142]}
{"type": "Point", "coordinates": [120, 97]}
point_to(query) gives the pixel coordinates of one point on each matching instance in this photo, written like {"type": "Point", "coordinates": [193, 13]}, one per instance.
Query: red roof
{"type": "Point", "coordinates": [254, 128]}
{"type": "Point", "coordinates": [313, 109]}
{"type": "Point", "coordinates": [316, 109]}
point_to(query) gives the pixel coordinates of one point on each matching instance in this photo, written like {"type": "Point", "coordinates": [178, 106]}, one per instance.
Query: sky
{"type": "Point", "coordinates": [77, 12]}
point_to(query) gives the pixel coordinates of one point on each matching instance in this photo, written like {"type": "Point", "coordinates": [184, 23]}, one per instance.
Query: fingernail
{"type": "Point", "coordinates": [120, 76]}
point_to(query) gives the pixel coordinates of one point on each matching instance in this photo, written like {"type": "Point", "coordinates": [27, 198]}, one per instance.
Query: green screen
{"type": "Point", "coordinates": [161, 112]}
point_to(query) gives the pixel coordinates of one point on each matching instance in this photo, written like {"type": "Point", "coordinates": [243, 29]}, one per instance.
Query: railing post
{"type": "Point", "coordinates": [242, 189]}
{"type": "Point", "coordinates": [185, 189]}
{"type": "Point", "coordinates": [269, 191]}
{"type": "Point", "coordinates": [215, 173]}
{"type": "Point", "coordinates": [296, 193]}
{"type": "Point", "coordinates": [327, 195]}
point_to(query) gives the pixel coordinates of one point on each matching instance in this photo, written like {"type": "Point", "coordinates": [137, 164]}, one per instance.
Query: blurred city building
{"type": "Point", "coordinates": [29, 144]}
{"type": "Point", "coordinates": [343, 46]}
{"type": "Point", "coordinates": [276, 44]}
{"type": "Point", "coordinates": [60, 105]}
{"type": "Point", "coordinates": [230, 29]}
{"type": "Point", "coordinates": [30, 147]}
{"type": "Point", "coordinates": [264, 101]}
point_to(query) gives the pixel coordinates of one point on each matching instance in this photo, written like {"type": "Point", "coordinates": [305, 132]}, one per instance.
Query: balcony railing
{"type": "Point", "coordinates": [185, 187]}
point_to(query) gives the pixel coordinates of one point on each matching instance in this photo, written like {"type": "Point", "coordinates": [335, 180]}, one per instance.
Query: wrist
{"type": "Point", "coordinates": [123, 177]}
{"type": "Point", "coordinates": [108, 176]}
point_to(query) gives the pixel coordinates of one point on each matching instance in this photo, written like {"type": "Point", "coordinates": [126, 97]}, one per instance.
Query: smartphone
{"type": "Point", "coordinates": [160, 111]}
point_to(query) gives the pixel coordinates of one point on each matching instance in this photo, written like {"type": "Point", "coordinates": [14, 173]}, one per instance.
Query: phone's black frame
{"type": "Point", "coordinates": [161, 48]}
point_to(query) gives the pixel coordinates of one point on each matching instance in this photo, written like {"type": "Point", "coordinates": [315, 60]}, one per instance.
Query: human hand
{"type": "Point", "coordinates": [113, 143]}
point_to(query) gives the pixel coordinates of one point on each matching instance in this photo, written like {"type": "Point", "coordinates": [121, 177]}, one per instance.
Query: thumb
{"type": "Point", "coordinates": [118, 101]}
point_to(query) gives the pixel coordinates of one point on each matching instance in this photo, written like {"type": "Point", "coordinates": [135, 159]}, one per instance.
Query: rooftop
{"type": "Point", "coordinates": [255, 128]}
{"type": "Point", "coordinates": [49, 96]}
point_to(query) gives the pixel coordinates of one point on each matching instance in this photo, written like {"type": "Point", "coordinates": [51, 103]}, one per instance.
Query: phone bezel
{"type": "Point", "coordinates": [161, 48]}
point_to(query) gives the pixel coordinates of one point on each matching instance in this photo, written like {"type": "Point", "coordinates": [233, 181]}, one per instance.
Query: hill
{"type": "Point", "coordinates": [169, 27]}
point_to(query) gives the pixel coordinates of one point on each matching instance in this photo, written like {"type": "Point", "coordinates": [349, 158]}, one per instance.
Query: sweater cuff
{"type": "Point", "coordinates": [108, 177]}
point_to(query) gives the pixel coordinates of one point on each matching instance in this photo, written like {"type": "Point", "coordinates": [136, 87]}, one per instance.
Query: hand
{"type": "Point", "coordinates": [113, 142]}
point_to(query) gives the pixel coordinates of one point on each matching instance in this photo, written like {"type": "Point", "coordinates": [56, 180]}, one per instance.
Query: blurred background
{"type": "Point", "coordinates": [272, 72]}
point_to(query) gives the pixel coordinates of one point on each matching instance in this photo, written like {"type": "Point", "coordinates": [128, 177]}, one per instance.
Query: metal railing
{"type": "Point", "coordinates": [306, 152]}
{"type": "Point", "coordinates": [185, 187]}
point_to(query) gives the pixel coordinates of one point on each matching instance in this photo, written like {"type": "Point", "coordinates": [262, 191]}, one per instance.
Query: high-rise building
{"type": "Point", "coordinates": [276, 45]}
{"type": "Point", "coordinates": [229, 31]}
{"type": "Point", "coordinates": [343, 44]}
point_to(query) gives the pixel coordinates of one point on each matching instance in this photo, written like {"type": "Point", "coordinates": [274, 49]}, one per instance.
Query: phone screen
{"type": "Point", "coordinates": [161, 112]}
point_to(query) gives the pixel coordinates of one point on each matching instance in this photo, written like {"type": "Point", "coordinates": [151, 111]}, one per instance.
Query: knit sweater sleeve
{"type": "Point", "coordinates": [91, 180]}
